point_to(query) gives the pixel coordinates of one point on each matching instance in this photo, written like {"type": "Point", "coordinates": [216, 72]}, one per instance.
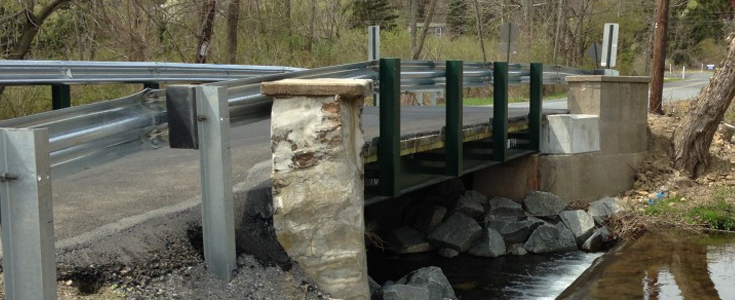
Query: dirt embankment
{"type": "Point", "coordinates": [664, 196]}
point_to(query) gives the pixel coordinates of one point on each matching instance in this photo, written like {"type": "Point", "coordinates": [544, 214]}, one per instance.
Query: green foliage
{"type": "Point", "coordinates": [457, 17]}
{"type": "Point", "coordinates": [695, 22]}
{"type": "Point", "coordinates": [373, 12]}
{"type": "Point", "coordinates": [717, 214]}
{"type": "Point", "coordinates": [665, 207]}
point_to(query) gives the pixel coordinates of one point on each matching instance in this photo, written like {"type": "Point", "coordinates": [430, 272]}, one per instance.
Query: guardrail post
{"type": "Point", "coordinates": [389, 147]}
{"type": "Point", "coordinates": [500, 111]}
{"type": "Point", "coordinates": [218, 219]}
{"type": "Point", "coordinates": [534, 114]}
{"type": "Point", "coordinates": [453, 133]}
{"type": "Point", "coordinates": [60, 96]}
{"type": "Point", "coordinates": [29, 264]}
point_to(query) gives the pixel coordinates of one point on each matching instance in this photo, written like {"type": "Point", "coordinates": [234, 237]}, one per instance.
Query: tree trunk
{"type": "Point", "coordinates": [479, 29]}
{"type": "Point", "coordinates": [558, 31]}
{"type": "Point", "coordinates": [659, 57]}
{"type": "Point", "coordinates": [33, 23]}
{"type": "Point", "coordinates": [413, 7]}
{"type": "Point", "coordinates": [205, 35]}
{"type": "Point", "coordinates": [311, 26]}
{"type": "Point", "coordinates": [233, 18]}
{"type": "Point", "coordinates": [693, 138]}
{"type": "Point", "coordinates": [427, 23]}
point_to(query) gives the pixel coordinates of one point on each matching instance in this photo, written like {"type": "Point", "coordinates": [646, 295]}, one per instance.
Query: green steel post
{"type": "Point", "coordinates": [534, 114]}
{"type": "Point", "coordinates": [389, 148]}
{"type": "Point", "coordinates": [60, 96]}
{"type": "Point", "coordinates": [453, 133]}
{"type": "Point", "coordinates": [500, 111]}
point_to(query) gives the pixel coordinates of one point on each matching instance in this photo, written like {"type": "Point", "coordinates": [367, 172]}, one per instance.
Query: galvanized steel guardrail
{"type": "Point", "coordinates": [33, 72]}
{"type": "Point", "coordinates": [80, 137]}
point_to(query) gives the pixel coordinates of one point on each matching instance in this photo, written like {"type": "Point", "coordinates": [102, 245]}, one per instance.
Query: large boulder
{"type": "Point", "coordinates": [606, 207]}
{"type": "Point", "coordinates": [471, 204]}
{"type": "Point", "coordinates": [504, 207]}
{"type": "Point", "coordinates": [406, 240]}
{"type": "Point", "coordinates": [405, 292]}
{"type": "Point", "coordinates": [514, 230]}
{"type": "Point", "coordinates": [431, 279]}
{"type": "Point", "coordinates": [427, 218]}
{"type": "Point", "coordinates": [596, 240]}
{"type": "Point", "coordinates": [543, 204]}
{"type": "Point", "coordinates": [580, 223]}
{"type": "Point", "coordinates": [517, 249]}
{"type": "Point", "coordinates": [447, 252]}
{"type": "Point", "coordinates": [458, 232]}
{"type": "Point", "coordinates": [491, 244]}
{"type": "Point", "coordinates": [550, 238]}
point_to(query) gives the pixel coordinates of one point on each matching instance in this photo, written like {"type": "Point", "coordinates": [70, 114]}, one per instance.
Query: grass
{"type": "Point", "coordinates": [673, 79]}
{"type": "Point", "coordinates": [482, 101]}
{"type": "Point", "coordinates": [715, 213]}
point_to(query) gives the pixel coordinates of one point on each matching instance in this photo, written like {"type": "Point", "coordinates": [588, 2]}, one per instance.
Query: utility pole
{"type": "Point", "coordinates": [659, 57]}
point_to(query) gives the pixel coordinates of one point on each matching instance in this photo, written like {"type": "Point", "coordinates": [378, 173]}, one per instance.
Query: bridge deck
{"type": "Point", "coordinates": [421, 126]}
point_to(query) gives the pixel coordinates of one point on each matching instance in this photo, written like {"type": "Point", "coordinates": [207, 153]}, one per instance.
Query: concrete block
{"type": "Point", "coordinates": [589, 176]}
{"type": "Point", "coordinates": [512, 180]}
{"type": "Point", "coordinates": [568, 134]}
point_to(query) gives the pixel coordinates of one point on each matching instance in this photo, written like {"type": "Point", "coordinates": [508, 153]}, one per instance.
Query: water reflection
{"type": "Point", "coordinates": [670, 265]}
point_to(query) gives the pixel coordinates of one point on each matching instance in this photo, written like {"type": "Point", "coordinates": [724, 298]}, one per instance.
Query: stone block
{"type": "Point", "coordinates": [405, 240]}
{"type": "Point", "coordinates": [458, 232]}
{"type": "Point", "coordinates": [549, 238]}
{"type": "Point", "coordinates": [513, 179]}
{"type": "Point", "coordinates": [318, 187]}
{"type": "Point", "coordinates": [567, 134]}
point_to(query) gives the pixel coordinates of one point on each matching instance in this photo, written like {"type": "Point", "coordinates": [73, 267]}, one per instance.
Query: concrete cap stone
{"type": "Point", "coordinates": [349, 88]}
{"type": "Point", "coordinates": [602, 78]}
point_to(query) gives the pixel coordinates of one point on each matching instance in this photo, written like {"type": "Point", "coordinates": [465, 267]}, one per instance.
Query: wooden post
{"type": "Point", "coordinates": [659, 57]}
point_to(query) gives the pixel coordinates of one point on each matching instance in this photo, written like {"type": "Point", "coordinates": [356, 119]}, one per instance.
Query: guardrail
{"type": "Point", "coordinates": [60, 74]}
{"type": "Point", "coordinates": [36, 148]}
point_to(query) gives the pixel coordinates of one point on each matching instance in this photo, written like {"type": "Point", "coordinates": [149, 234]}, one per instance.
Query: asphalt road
{"type": "Point", "coordinates": [110, 198]}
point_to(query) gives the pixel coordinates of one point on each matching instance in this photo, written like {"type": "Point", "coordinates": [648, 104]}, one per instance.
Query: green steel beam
{"type": "Point", "coordinates": [534, 114]}
{"type": "Point", "coordinates": [500, 111]}
{"type": "Point", "coordinates": [60, 96]}
{"type": "Point", "coordinates": [453, 134]}
{"type": "Point", "coordinates": [389, 147]}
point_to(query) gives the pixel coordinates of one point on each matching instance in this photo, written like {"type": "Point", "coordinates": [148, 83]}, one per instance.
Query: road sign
{"type": "Point", "coordinates": [610, 45]}
{"type": "Point", "coordinates": [508, 34]}
{"type": "Point", "coordinates": [594, 53]}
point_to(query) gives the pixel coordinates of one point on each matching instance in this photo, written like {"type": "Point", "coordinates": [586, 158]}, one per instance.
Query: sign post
{"type": "Point", "coordinates": [508, 35]}
{"type": "Point", "coordinates": [374, 53]}
{"type": "Point", "coordinates": [610, 45]}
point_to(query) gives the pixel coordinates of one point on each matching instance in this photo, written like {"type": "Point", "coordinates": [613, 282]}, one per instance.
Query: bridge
{"type": "Point", "coordinates": [407, 148]}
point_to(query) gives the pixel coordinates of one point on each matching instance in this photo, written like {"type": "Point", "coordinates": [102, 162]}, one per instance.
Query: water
{"type": "Point", "coordinates": [475, 278]}
{"type": "Point", "coordinates": [659, 265]}
{"type": "Point", "coordinates": [663, 265]}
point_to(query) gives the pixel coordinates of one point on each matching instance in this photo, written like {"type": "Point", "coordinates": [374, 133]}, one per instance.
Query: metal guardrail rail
{"type": "Point", "coordinates": [33, 72]}
{"type": "Point", "coordinates": [34, 149]}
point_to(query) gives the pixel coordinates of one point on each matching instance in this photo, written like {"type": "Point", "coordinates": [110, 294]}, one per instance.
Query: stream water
{"type": "Point", "coordinates": [660, 265]}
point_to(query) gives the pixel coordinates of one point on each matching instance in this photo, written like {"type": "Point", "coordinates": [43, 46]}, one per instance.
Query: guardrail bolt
{"type": "Point", "coordinates": [4, 177]}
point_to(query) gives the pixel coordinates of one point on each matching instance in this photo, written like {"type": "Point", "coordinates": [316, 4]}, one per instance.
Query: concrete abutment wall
{"type": "Point", "coordinates": [621, 105]}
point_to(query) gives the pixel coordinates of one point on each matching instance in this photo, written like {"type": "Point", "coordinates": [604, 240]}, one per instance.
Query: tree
{"type": "Point", "coordinates": [233, 18]}
{"type": "Point", "coordinates": [207, 26]}
{"type": "Point", "coordinates": [373, 13]}
{"type": "Point", "coordinates": [33, 21]}
{"type": "Point", "coordinates": [425, 30]}
{"type": "Point", "coordinates": [457, 17]}
{"type": "Point", "coordinates": [693, 138]}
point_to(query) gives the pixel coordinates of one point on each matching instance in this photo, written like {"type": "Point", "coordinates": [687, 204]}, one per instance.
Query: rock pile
{"type": "Point", "coordinates": [540, 223]}
{"type": "Point", "coordinates": [423, 284]}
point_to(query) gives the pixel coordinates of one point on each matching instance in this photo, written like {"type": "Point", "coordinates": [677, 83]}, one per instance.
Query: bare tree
{"type": "Point", "coordinates": [478, 19]}
{"type": "Point", "coordinates": [693, 138]}
{"type": "Point", "coordinates": [233, 18]}
{"type": "Point", "coordinates": [205, 35]}
{"type": "Point", "coordinates": [427, 24]}
{"type": "Point", "coordinates": [33, 22]}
